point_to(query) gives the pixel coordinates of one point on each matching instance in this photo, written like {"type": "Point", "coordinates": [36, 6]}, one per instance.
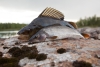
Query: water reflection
{"type": "Point", "coordinates": [7, 34]}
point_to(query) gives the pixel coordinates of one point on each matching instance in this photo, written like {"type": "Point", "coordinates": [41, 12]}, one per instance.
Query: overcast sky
{"type": "Point", "coordinates": [26, 10]}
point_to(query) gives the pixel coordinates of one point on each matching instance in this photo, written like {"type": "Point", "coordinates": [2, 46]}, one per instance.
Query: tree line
{"type": "Point", "coordinates": [11, 26]}
{"type": "Point", "coordinates": [93, 21]}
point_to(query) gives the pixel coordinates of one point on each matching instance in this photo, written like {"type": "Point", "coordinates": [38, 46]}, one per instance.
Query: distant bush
{"type": "Point", "coordinates": [89, 22]}
{"type": "Point", "coordinates": [11, 26]}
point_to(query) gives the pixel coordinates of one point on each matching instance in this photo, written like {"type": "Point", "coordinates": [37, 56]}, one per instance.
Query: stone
{"type": "Point", "coordinates": [82, 49]}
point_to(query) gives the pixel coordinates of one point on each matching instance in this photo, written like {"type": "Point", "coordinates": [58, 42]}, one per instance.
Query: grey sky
{"type": "Point", "coordinates": [72, 9]}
